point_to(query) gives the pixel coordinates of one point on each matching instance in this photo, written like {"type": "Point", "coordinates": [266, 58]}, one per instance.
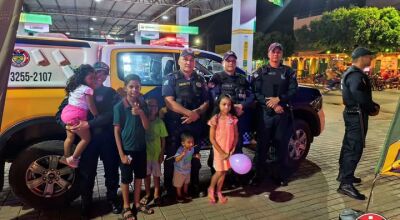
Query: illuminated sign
{"type": "Point", "coordinates": [277, 2]}
{"type": "Point", "coordinates": [35, 18]}
{"type": "Point", "coordinates": [169, 28]}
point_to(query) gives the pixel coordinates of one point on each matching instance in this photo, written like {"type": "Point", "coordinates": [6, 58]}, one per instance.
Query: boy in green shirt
{"type": "Point", "coordinates": [130, 123]}
{"type": "Point", "coordinates": [155, 145]}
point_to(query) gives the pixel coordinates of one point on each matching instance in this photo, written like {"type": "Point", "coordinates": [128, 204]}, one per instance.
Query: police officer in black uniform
{"type": "Point", "coordinates": [238, 88]}
{"type": "Point", "coordinates": [274, 86]}
{"type": "Point", "coordinates": [102, 144]}
{"type": "Point", "coordinates": [357, 98]}
{"type": "Point", "coordinates": [186, 97]}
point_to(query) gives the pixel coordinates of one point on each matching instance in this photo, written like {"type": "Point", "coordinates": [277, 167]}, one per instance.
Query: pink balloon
{"type": "Point", "coordinates": [240, 163]}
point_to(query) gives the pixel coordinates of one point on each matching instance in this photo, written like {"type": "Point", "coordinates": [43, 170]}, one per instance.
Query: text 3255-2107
{"type": "Point", "coordinates": [28, 76]}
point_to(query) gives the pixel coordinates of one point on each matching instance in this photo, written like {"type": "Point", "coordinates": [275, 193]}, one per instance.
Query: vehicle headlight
{"type": "Point", "coordinates": [317, 103]}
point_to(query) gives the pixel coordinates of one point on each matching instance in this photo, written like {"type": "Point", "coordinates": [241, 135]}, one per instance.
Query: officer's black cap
{"type": "Point", "coordinates": [361, 51]}
{"type": "Point", "coordinates": [230, 54]}
{"type": "Point", "coordinates": [274, 45]}
{"type": "Point", "coordinates": [187, 52]}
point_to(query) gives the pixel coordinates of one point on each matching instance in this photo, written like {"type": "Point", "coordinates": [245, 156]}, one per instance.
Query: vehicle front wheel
{"type": "Point", "coordinates": [299, 143]}
{"type": "Point", "coordinates": [40, 180]}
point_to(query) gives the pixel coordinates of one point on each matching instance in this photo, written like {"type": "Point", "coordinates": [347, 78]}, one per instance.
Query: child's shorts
{"type": "Point", "coordinates": [180, 179]}
{"type": "Point", "coordinates": [154, 168]}
{"type": "Point", "coordinates": [136, 167]}
{"type": "Point", "coordinates": [71, 115]}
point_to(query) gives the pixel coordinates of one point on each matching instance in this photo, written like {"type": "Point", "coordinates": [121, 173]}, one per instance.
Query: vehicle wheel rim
{"type": "Point", "coordinates": [47, 177]}
{"type": "Point", "coordinates": [298, 144]}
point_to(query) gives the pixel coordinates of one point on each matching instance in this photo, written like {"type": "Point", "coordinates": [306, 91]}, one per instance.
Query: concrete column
{"type": "Point", "coordinates": [243, 27]}
{"type": "Point", "coordinates": [138, 38]}
{"type": "Point", "coordinates": [182, 18]}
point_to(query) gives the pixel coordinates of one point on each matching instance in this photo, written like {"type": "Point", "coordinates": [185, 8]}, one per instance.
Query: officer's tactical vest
{"type": "Point", "coordinates": [188, 93]}
{"type": "Point", "coordinates": [272, 82]}
{"type": "Point", "coordinates": [234, 86]}
{"type": "Point", "coordinates": [346, 94]}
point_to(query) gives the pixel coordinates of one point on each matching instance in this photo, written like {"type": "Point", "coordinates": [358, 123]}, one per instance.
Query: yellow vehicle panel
{"type": "Point", "coordinates": [24, 104]}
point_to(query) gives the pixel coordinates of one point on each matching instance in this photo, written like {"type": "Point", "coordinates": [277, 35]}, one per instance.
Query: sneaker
{"type": "Point", "coordinates": [72, 162]}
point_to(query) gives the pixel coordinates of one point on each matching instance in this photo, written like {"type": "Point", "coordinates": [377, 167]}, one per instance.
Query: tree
{"type": "Point", "coordinates": [262, 42]}
{"type": "Point", "coordinates": [344, 29]}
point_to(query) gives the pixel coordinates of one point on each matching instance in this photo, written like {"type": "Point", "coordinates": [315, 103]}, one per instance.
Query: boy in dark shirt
{"type": "Point", "coordinates": [130, 123]}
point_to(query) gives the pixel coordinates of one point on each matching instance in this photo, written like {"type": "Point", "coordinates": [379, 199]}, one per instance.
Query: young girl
{"type": "Point", "coordinates": [80, 99]}
{"type": "Point", "coordinates": [224, 137]}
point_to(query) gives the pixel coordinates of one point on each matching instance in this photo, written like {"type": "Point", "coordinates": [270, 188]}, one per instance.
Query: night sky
{"type": "Point", "coordinates": [217, 29]}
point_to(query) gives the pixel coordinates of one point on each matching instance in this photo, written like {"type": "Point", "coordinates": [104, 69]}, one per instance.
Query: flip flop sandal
{"type": "Point", "coordinates": [145, 209]}
{"type": "Point", "coordinates": [126, 215]}
{"type": "Point", "coordinates": [144, 200]}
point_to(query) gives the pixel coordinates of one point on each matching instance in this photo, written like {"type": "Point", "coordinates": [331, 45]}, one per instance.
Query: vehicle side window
{"type": "Point", "coordinates": [207, 67]}
{"type": "Point", "coordinates": [150, 67]}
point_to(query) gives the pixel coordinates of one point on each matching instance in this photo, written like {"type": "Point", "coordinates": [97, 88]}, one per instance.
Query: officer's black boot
{"type": "Point", "coordinates": [86, 208]}
{"type": "Point", "coordinates": [349, 190]}
{"type": "Point", "coordinates": [116, 206]}
{"type": "Point", "coordinates": [257, 179]}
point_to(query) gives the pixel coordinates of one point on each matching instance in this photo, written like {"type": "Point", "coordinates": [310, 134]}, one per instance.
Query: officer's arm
{"type": "Point", "coordinates": [175, 106]}
{"type": "Point", "coordinates": [292, 88]}
{"type": "Point", "coordinates": [358, 90]}
{"type": "Point", "coordinates": [105, 118]}
{"type": "Point", "coordinates": [256, 87]}
{"type": "Point", "coordinates": [249, 96]}
{"type": "Point", "coordinates": [203, 107]}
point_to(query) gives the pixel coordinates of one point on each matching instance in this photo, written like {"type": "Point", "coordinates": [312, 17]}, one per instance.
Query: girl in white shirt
{"type": "Point", "coordinates": [80, 99]}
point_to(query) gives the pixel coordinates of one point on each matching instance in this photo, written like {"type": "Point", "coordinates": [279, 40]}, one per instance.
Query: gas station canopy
{"type": "Point", "coordinates": [115, 18]}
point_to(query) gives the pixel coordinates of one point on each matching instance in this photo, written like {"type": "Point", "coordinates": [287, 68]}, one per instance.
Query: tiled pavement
{"type": "Point", "coordinates": [311, 193]}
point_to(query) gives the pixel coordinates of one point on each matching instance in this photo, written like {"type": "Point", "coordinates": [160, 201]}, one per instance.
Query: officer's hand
{"type": "Point", "coordinates": [79, 126]}
{"type": "Point", "coordinates": [278, 109]}
{"type": "Point", "coordinates": [238, 109]}
{"type": "Point", "coordinates": [377, 108]}
{"type": "Point", "coordinates": [193, 116]}
{"type": "Point", "coordinates": [198, 156]}
{"type": "Point", "coordinates": [272, 102]}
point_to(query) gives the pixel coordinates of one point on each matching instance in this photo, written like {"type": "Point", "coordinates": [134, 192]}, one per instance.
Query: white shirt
{"type": "Point", "coordinates": [78, 96]}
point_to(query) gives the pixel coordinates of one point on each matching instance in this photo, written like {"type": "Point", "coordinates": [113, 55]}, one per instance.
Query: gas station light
{"type": "Point", "coordinates": [94, 19]}
{"type": "Point", "coordinates": [67, 33]}
{"type": "Point", "coordinates": [91, 29]}
{"type": "Point", "coordinates": [35, 18]}
{"type": "Point", "coordinates": [176, 29]}
{"type": "Point", "coordinates": [165, 17]}
{"type": "Point", "coordinates": [197, 41]}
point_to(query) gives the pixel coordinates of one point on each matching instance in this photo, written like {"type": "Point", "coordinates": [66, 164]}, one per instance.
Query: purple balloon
{"type": "Point", "coordinates": [240, 163]}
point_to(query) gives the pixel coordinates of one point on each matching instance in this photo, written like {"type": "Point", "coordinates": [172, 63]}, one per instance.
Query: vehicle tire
{"type": "Point", "coordinates": [39, 180]}
{"type": "Point", "coordinates": [299, 147]}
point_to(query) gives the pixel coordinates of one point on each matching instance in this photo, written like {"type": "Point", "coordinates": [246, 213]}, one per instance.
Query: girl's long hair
{"type": "Point", "coordinates": [78, 78]}
{"type": "Point", "coordinates": [216, 108]}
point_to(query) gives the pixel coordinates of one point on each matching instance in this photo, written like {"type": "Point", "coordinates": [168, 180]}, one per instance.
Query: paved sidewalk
{"type": "Point", "coordinates": [311, 193]}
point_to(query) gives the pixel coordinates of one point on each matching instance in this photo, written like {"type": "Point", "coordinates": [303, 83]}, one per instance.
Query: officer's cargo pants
{"type": "Point", "coordinates": [352, 147]}
{"type": "Point", "coordinates": [273, 129]}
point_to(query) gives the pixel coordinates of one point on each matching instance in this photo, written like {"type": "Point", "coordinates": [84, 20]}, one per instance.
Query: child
{"type": "Point", "coordinates": [80, 99]}
{"type": "Point", "coordinates": [223, 137]}
{"type": "Point", "coordinates": [155, 145]}
{"type": "Point", "coordinates": [130, 123]}
{"type": "Point", "coordinates": [182, 166]}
